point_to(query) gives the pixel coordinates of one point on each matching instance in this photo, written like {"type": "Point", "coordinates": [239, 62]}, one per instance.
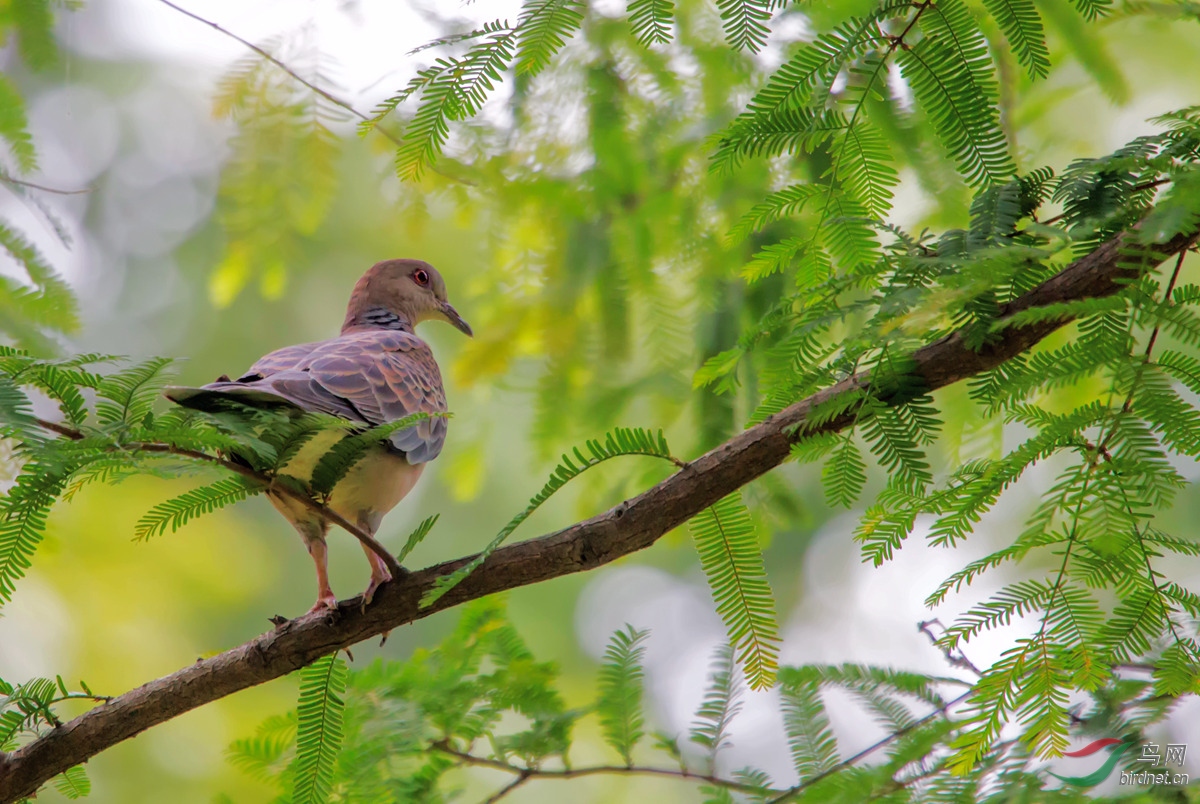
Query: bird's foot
{"type": "Point", "coordinates": [369, 593]}
{"type": "Point", "coordinates": [325, 603]}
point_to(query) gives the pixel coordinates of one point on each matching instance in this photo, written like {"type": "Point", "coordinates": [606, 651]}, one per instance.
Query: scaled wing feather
{"type": "Point", "coordinates": [373, 377]}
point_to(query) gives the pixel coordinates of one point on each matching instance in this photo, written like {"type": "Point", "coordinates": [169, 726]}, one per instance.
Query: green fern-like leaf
{"type": "Point", "coordinates": [651, 20]}
{"type": "Point", "coordinates": [16, 413]}
{"type": "Point", "coordinates": [34, 21]}
{"type": "Point", "coordinates": [542, 29]}
{"type": "Point", "coordinates": [896, 441]}
{"type": "Point", "coordinates": [995, 212]}
{"type": "Point", "coordinates": [780, 204]}
{"type": "Point", "coordinates": [456, 92]}
{"type": "Point", "coordinates": [786, 131]}
{"type": "Point", "coordinates": [846, 232]}
{"type": "Point", "coordinates": [721, 704]}
{"type": "Point", "coordinates": [809, 736]}
{"type": "Point", "coordinates": [343, 455]}
{"type": "Point", "coordinates": [126, 396]}
{"type": "Point", "coordinates": [1177, 211]}
{"type": "Point", "coordinates": [278, 184]}
{"type": "Point", "coordinates": [863, 164]}
{"type": "Point", "coordinates": [886, 524]}
{"type": "Point", "coordinates": [719, 371]}
{"type": "Point", "coordinates": [73, 783]}
{"type": "Point", "coordinates": [950, 73]}
{"type": "Point", "coordinates": [46, 302]}
{"type": "Point", "coordinates": [1092, 9]}
{"type": "Point", "coordinates": [979, 485]}
{"type": "Point", "coordinates": [25, 707]}
{"type": "Point", "coordinates": [61, 386]}
{"type": "Point", "coordinates": [815, 65]}
{"type": "Point", "coordinates": [416, 537]}
{"type": "Point", "coordinates": [1022, 26]}
{"type": "Point", "coordinates": [1176, 671]}
{"type": "Point", "coordinates": [621, 441]}
{"type": "Point", "coordinates": [1098, 195]}
{"type": "Point", "coordinates": [620, 686]}
{"type": "Point", "coordinates": [319, 729]}
{"type": "Point", "coordinates": [884, 690]}
{"type": "Point", "coordinates": [176, 512]}
{"type": "Point", "coordinates": [24, 509]}
{"type": "Point", "coordinates": [715, 794]}
{"type": "Point", "coordinates": [261, 755]}
{"type": "Point", "coordinates": [844, 474]}
{"type": "Point", "coordinates": [287, 434]}
{"type": "Point", "coordinates": [774, 258]}
{"type": "Point", "coordinates": [732, 563]}
{"type": "Point", "coordinates": [745, 22]}
{"type": "Point", "coordinates": [1015, 600]}
{"type": "Point", "coordinates": [14, 127]}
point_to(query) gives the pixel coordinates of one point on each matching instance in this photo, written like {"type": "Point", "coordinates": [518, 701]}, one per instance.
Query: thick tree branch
{"type": "Point", "coordinates": [628, 527]}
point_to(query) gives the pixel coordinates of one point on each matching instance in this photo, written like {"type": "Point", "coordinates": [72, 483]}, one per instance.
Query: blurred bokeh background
{"type": "Point", "coordinates": [582, 235]}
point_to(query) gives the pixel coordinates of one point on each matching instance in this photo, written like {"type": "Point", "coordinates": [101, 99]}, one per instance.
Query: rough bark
{"type": "Point", "coordinates": [626, 528]}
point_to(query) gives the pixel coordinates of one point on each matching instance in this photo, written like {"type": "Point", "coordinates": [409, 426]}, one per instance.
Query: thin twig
{"type": "Point", "coordinates": [508, 788]}
{"type": "Point", "coordinates": [308, 502]}
{"type": "Point", "coordinates": [870, 749]}
{"type": "Point", "coordinates": [335, 100]}
{"type": "Point", "coordinates": [1158, 324]}
{"type": "Point", "coordinates": [955, 657]}
{"type": "Point", "coordinates": [80, 696]}
{"type": "Point", "coordinates": [1125, 409]}
{"type": "Point", "coordinates": [4, 177]}
{"type": "Point", "coordinates": [570, 773]}
{"type": "Point", "coordinates": [1102, 449]}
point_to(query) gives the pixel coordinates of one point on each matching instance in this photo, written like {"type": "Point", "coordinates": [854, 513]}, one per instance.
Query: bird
{"type": "Point", "coordinates": [377, 370]}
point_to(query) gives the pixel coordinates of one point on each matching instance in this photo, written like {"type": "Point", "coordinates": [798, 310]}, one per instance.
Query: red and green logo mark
{"type": "Point", "coordinates": [1117, 748]}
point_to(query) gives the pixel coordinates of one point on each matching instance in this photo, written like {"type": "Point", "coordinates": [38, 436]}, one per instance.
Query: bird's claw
{"type": "Point", "coordinates": [369, 593]}
{"type": "Point", "coordinates": [325, 603]}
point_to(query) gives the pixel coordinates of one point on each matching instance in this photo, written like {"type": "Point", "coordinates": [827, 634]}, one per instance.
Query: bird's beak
{"type": "Point", "coordinates": [454, 318]}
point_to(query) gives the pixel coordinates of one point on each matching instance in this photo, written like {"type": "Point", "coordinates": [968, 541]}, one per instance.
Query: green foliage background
{"type": "Point", "coordinates": [601, 263]}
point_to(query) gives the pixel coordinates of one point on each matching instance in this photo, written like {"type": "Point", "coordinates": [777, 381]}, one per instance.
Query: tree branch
{"type": "Point", "coordinates": [626, 528]}
{"type": "Point", "coordinates": [525, 773]}
{"type": "Point", "coordinates": [14, 181]}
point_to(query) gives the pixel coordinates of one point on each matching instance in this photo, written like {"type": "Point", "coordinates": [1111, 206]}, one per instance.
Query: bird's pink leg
{"type": "Point", "coordinates": [380, 575]}
{"type": "Point", "coordinates": [320, 554]}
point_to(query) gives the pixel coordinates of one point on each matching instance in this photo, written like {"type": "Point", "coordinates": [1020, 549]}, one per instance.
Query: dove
{"type": "Point", "coordinates": [376, 371]}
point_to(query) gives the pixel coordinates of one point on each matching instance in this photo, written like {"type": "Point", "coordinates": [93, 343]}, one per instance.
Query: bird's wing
{"type": "Point", "coordinates": [372, 377]}
{"type": "Point", "coordinates": [280, 360]}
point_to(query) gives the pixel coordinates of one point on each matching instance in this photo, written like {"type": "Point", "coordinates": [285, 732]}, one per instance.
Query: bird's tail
{"type": "Point", "coordinates": [219, 397]}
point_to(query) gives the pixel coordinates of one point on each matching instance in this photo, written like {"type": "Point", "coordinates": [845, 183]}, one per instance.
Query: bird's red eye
{"type": "Point", "coordinates": [421, 277]}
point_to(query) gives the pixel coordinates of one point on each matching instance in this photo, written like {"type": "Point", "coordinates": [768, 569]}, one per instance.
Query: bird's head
{"type": "Point", "coordinates": [401, 290]}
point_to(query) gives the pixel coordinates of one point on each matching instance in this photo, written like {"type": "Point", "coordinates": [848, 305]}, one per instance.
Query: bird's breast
{"type": "Point", "coordinates": [372, 487]}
